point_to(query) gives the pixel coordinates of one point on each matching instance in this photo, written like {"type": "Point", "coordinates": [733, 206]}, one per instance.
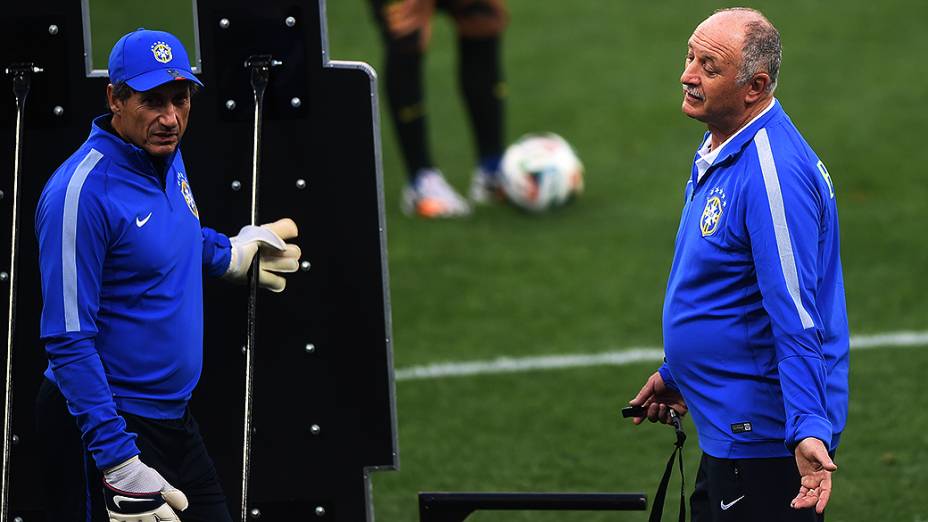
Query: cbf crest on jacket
{"type": "Point", "coordinates": [755, 325]}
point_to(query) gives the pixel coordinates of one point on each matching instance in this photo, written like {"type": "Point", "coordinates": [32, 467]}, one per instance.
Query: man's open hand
{"type": "Point", "coordinates": [815, 468]}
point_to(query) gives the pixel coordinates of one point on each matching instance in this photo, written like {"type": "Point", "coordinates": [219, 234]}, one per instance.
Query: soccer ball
{"type": "Point", "coordinates": [540, 172]}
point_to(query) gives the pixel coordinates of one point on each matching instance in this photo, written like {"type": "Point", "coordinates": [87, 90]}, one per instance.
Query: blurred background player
{"type": "Point", "coordinates": [406, 28]}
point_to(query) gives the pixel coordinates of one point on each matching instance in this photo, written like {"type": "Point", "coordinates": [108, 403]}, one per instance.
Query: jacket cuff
{"type": "Point", "coordinates": [809, 426]}
{"type": "Point", "coordinates": [217, 253]}
{"type": "Point", "coordinates": [668, 378]}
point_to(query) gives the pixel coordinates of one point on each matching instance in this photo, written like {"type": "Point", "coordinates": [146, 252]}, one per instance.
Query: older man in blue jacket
{"type": "Point", "coordinates": [755, 325]}
{"type": "Point", "coordinates": [122, 256]}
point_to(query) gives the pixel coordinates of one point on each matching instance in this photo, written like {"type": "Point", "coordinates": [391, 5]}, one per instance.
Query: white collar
{"type": "Point", "coordinates": [707, 157]}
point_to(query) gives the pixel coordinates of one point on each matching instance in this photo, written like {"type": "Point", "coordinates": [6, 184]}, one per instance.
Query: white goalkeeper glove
{"type": "Point", "coordinates": [277, 256]}
{"type": "Point", "coordinates": [135, 492]}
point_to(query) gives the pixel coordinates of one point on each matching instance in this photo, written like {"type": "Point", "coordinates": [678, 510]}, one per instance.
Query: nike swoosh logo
{"type": "Point", "coordinates": [730, 504]}
{"type": "Point", "coordinates": [119, 498]}
{"type": "Point", "coordinates": [141, 222]}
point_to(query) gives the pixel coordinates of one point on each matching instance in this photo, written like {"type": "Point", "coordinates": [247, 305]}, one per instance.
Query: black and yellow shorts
{"type": "Point", "coordinates": [400, 19]}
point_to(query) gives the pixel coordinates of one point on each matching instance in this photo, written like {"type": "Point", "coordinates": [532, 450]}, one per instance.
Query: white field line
{"type": "Point", "coordinates": [611, 358]}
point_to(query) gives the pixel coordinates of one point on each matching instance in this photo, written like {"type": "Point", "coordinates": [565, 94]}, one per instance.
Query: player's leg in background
{"type": "Point", "coordinates": [403, 75]}
{"type": "Point", "coordinates": [480, 24]}
{"type": "Point", "coordinates": [405, 30]}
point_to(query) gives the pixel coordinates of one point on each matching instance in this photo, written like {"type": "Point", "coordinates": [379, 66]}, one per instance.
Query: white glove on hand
{"type": "Point", "coordinates": [276, 255]}
{"type": "Point", "coordinates": [135, 492]}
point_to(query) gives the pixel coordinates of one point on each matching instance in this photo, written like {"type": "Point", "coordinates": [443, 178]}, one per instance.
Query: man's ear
{"type": "Point", "coordinates": [111, 100]}
{"type": "Point", "coordinates": [758, 87]}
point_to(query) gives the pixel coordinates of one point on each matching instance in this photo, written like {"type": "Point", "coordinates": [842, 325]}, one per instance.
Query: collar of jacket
{"type": "Point", "coordinates": [737, 144]}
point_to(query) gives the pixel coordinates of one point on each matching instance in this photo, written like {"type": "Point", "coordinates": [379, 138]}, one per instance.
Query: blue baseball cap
{"type": "Point", "coordinates": [145, 59]}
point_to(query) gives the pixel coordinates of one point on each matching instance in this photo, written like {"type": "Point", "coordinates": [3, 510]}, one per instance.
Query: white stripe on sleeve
{"type": "Point", "coordinates": [72, 198]}
{"type": "Point", "coordinates": [778, 213]}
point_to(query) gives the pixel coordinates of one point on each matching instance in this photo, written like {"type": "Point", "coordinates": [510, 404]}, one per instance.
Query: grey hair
{"type": "Point", "coordinates": [761, 51]}
{"type": "Point", "coordinates": [122, 91]}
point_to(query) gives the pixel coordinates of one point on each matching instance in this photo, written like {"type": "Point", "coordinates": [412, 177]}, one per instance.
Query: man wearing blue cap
{"type": "Point", "coordinates": [122, 254]}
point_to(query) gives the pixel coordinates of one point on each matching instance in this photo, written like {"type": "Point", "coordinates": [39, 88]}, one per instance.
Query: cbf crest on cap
{"type": "Point", "coordinates": [145, 59]}
{"type": "Point", "coordinates": [162, 52]}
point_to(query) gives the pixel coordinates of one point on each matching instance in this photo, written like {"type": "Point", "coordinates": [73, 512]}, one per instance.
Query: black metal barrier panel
{"type": "Point", "coordinates": [455, 507]}
{"type": "Point", "coordinates": [323, 410]}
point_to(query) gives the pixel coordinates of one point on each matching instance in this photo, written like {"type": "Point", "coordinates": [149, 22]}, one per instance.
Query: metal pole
{"type": "Point", "coordinates": [22, 77]}
{"type": "Point", "coordinates": [260, 67]}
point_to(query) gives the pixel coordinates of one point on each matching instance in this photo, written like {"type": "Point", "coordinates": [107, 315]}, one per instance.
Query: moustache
{"type": "Point", "coordinates": [693, 92]}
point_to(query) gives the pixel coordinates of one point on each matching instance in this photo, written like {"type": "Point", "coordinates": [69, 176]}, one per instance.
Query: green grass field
{"type": "Point", "coordinates": [590, 278]}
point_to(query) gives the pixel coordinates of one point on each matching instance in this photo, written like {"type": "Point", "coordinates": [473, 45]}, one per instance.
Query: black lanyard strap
{"type": "Point", "coordinates": [657, 508]}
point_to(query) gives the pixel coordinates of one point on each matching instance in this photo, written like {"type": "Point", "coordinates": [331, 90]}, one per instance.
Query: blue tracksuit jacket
{"type": "Point", "coordinates": [122, 254]}
{"type": "Point", "coordinates": [755, 325]}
